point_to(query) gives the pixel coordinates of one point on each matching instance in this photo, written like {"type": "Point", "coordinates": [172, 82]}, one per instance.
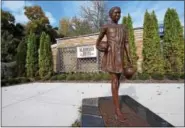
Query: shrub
{"type": "Point", "coordinates": [53, 77]}
{"type": "Point", "coordinates": [61, 77]}
{"type": "Point", "coordinates": [18, 79]}
{"type": "Point", "coordinates": [143, 76]}
{"type": "Point", "coordinates": [76, 124]}
{"type": "Point", "coordinates": [134, 77]}
{"type": "Point", "coordinates": [32, 79]}
{"type": "Point", "coordinates": [37, 78]}
{"type": "Point", "coordinates": [105, 76]}
{"type": "Point", "coordinates": [182, 76]}
{"type": "Point", "coordinates": [47, 77]}
{"type": "Point", "coordinates": [97, 76]}
{"type": "Point", "coordinates": [78, 76]}
{"type": "Point", "coordinates": [10, 81]}
{"type": "Point", "coordinates": [4, 82]}
{"type": "Point", "coordinates": [22, 79]}
{"type": "Point", "coordinates": [172, 76]}
{"type": "Point", "coordinates": [157, 76]}
{"type": "Point", "coordinates": [87, 76]}
{"type": "Point", "coordinates": [70, 77]}
{"type": "Point", "coordinates": [37, 73]}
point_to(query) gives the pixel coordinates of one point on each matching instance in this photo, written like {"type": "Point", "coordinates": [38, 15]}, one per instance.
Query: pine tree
{"type": "Point", "coordinates": [146, 49]}
{"type": "Point", "coordinates": [42, 55]}
{"type": "Point", "coordinates": [49, 59]}
{"type": "Point", "coordinates": [124, 21]}
{"type": "Point", "coordinates": [146, 26]}
{"type": "Point", "coordinates": [173, 46]}
{"type": "Point", "coordinates": [21, 58]}
{"type": "Point", "coordinates": [45, 56]}
{"type": "Point", "coordinates": [32, 56]}
{"type": "Point", "coordinates": [157, 61]}
{"type": "Point", "coordinates": [132, 40]}
{"type": "Point", "coordinates": [152, 56]}
{"type": "Point", "coordinates": [127, 21]}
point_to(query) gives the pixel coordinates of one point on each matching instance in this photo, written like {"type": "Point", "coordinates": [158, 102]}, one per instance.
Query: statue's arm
{"type": "Point", "coordinates": [126, 46]}
{"type": "Point", "coordinates": [100, 37]}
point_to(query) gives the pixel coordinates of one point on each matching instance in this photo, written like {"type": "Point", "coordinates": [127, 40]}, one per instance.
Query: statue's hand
{"type": "Point", "coordinates": [102, 46]}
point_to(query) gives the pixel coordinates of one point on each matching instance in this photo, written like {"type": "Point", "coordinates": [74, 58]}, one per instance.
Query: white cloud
{"type": "Point", "coordinates": [50, 17]}
{"type": "Point", "coordinates": [17, 9]}
{"type": "Point", "coordinates": [20, 17]}
{"type": "Point", "coordinates": [15, 6]}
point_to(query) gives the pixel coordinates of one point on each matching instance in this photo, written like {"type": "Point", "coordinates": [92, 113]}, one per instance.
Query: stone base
{"type": "Point", "coordinates": [100, 112]}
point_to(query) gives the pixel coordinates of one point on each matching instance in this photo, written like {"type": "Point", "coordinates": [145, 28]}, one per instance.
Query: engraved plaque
{"type": "Point", "coordinates": [90, 102]}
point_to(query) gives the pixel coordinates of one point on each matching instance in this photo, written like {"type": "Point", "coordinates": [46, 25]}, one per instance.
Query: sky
{"type": "Point", "coordinates": [56, 10]}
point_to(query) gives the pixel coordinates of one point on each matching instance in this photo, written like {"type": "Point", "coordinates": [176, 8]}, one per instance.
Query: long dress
{"type": "Point", "coordinates": [117, 36]}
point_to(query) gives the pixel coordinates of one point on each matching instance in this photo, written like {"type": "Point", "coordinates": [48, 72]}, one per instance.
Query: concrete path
{"type": "Point", "coordinates": [56, 104]}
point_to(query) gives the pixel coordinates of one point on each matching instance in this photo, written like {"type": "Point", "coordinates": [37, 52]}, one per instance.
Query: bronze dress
{"type": "Point", "coordinates": [117, 35]}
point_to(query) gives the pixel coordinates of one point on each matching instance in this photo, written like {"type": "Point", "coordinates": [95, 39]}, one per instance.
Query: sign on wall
{"type": "Point", "coordinates": [161, 30]}
{"type": "Point", "coordinates": [86, 51]}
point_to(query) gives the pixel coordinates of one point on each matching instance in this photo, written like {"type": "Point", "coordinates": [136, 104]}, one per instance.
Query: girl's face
{"type": "Point", "coordinates": [116, 14]}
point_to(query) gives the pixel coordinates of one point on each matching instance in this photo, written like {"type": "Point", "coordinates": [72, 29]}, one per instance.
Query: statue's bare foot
{"type": "Point", "coordinates": [120, 116]}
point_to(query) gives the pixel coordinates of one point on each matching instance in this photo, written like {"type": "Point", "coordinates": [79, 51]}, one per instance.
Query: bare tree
{"type": "Point", "coordinates": [80, 26]}
{"type": "Point", "coordinates": [96, 14]}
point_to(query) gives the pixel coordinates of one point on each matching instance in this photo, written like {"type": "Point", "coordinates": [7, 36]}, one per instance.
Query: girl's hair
{"type": "Point", "coordinates": [112, 9]}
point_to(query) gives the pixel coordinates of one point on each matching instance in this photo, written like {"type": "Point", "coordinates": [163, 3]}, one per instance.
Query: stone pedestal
{"type": "Point", "coordinates": [100, 112]}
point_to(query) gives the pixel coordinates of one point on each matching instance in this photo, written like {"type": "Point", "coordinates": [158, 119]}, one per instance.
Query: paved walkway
{"type": "Point", "coordinates": [56, 104]}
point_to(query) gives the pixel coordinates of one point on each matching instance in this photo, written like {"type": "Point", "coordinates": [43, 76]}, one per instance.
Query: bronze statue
{"type": "Point", "coordinates": [113, 48]}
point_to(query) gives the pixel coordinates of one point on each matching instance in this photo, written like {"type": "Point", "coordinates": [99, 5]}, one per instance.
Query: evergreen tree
{"type": "Point", "coordinates": [45, 56]}
{"type": "Point", "coordinates": [32, 56]}
{"type": "Point", "coordinates": [127, 21]}
{"type": "Point", "coordinates": [42, 55]}
{"type": "Point", "coordinates": [146, 43]}
{"type": "Point", "coordinates": [49, 59]}
{"type": "Point", "coordinates": [152, 56]}
{"type": "Point", "coordinates": [124, 21]}
{"type": "Point", "coordinates": [157, 61]}
{"type": "Point", "coordinates": [21, 58]}
{"type": "Point", "coordinates": [173, 46]}
{"type": "Point", "coordinates": [132, 40]}
{"type": "Point", "coordinates": [146, 25]}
